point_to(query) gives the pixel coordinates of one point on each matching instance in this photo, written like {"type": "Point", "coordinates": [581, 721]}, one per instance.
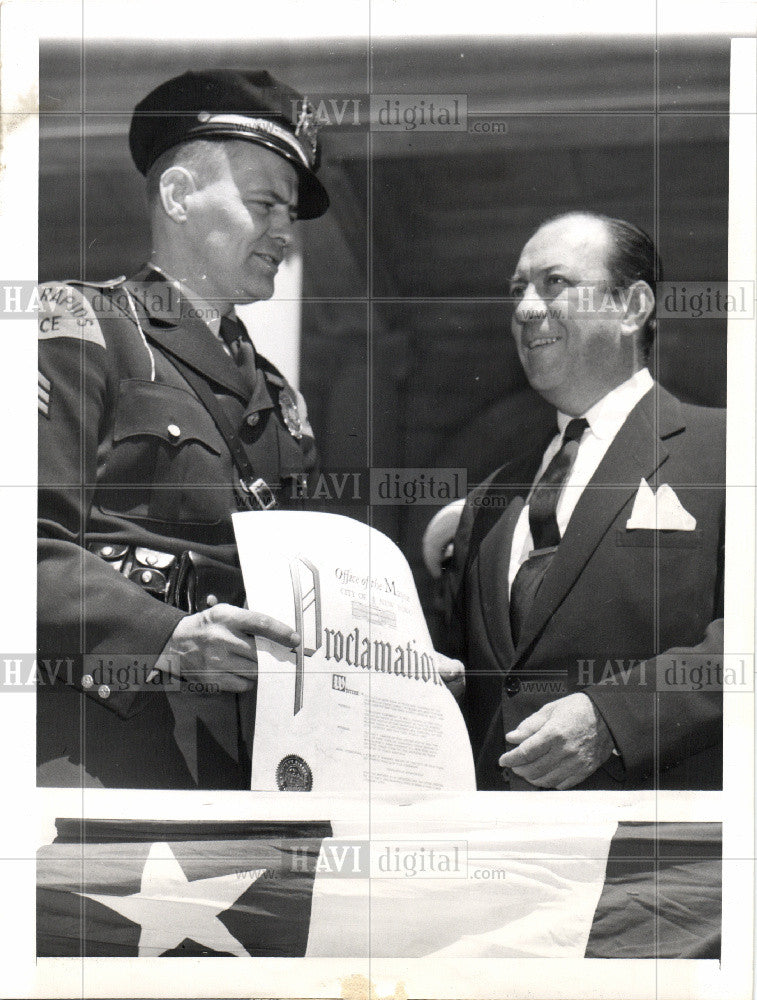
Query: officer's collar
{"type": "Point", "coordinates": [168, 310]}
{"type": "Point", "coordinates": [168, 300]}
{"type": "Point", "coordinates": [160, 297]}
{"type": "Point", "coordinates": [170, 319]}
{"type": "Point", "coordinates": [201, 309]}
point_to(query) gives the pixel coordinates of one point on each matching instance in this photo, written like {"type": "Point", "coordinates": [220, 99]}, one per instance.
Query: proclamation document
{"type": "Point", "coordinates": [361, 702]}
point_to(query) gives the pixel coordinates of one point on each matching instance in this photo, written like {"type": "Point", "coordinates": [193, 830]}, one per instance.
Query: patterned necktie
{"type": "Point", "coordinates": [542, 518]}
{"type": "Point", "coordinates": [234, 335]}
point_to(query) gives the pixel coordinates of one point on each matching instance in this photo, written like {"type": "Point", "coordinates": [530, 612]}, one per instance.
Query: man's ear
{"type": "Point", "coordinates": [638, 306]}
{"type": "Point", "coordinates": [176, 183]}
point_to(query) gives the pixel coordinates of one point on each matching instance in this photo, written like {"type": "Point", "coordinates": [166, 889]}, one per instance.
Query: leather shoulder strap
{"type": "Point", "coordinates": [208, 399]}
{"type": "Point", "coordinates": [220, 418]}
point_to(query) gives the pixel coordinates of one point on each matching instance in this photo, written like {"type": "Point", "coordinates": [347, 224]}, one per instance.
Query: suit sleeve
{"type": "Point", "coordinates": [672, 706]}
{"type": "Point", "coordinates": [475, 521]}
{"type": "Point", "coordinates": [85, 607]}
{"type": "Point", "coordinates": [453, 589]}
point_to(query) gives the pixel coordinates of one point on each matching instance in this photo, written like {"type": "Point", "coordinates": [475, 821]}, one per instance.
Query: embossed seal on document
{"type": "Point", "coordinates": [293, 774]}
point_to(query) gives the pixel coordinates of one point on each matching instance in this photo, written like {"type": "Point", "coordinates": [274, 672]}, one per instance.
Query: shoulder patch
{"type": "Point", "coordinates": [65, 312]}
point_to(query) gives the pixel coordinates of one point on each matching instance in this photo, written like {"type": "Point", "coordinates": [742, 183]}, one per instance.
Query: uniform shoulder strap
{"type": "Point", "coordinates": [103, 285]}
{"type": "Point", "coordinates": [220, 418]}
{"type": "Point", "coordinates": [270, 371]}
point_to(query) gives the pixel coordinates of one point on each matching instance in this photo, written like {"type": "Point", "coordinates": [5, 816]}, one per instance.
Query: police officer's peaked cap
{"type": "Point", "coordinates": [231, 104]}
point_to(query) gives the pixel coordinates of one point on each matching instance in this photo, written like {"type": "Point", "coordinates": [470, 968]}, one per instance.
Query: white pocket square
{"type": "Point", "coordinates": [661, 511]}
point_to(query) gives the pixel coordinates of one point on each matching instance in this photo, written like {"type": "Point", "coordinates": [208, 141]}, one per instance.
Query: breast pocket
{"type": "Point", "coordinates": [651, 538]}
{"type": "Point", "coordinates": [168, 459]}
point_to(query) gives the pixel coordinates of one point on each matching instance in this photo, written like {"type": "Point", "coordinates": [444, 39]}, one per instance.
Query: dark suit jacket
{"type": "Point", "coordinates": [620, 615]}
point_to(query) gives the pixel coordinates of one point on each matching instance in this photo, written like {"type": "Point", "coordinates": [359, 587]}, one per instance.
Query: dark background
{"type": "Point", "coordinates": [406, 354]}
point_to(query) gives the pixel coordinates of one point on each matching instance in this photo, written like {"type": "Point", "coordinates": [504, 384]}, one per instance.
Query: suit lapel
{"type": "Point", "coordinates": [637, 452]}
{"type": "Point", "coordinates": [493, 557]}
{"type": "Point", "coordinates": [493, 574]}
{"type": "Point", "coordinates": [167, 322]}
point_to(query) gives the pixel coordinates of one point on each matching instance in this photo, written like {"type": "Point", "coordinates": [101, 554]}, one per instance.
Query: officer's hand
{"type": "Point", "coordinates": [217, 646]}
{"type": "Point", "coordinates": [560, 745]}
{"type": "Point", "coordinates": [452, 672]}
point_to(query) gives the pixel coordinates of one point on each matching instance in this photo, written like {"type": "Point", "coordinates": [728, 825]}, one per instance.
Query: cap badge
{"type": "Point", "coordinates": [307, 129]}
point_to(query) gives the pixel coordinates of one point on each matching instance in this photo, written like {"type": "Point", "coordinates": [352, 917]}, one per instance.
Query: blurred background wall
{"type": "Point", "coordinates": [405, 354]}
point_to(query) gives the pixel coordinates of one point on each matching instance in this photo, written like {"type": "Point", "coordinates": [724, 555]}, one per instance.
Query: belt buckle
{"type": "Point", "coordinates": [261, 491]}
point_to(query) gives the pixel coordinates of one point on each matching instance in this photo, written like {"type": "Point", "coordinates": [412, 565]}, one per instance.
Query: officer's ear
{"type": "Point", "coordinates": [175, 185]}
{"type": "Point", "coordinates": [638, 306]}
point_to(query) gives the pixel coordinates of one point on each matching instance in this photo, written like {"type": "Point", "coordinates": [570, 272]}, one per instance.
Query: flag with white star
{"type": "Point", "coordinates": [500, 889]}
{"type": "Point", "coordinates": [128, 888]}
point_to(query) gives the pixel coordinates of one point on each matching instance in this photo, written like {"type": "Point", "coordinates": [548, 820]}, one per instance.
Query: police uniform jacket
{"type": "Point", "coordinates": [129, 456]}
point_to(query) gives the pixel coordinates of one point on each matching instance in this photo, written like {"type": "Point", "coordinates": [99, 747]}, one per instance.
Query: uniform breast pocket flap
{"type": "Point", "coordinates": [150, 409]}
{"type": "Point", "coordinates": [651, 538]}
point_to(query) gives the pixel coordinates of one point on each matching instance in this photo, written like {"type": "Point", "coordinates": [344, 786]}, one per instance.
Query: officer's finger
{"type": "Point", "coordinates": [253, 623]}
{"type": "Point", "coordinates": [237, 645]}
{"type": "Point", "coordinates": [235, 683]}
{"type": "Point", "coordinates": [231, 662]}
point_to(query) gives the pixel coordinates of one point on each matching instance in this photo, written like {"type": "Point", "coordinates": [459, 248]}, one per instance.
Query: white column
{"type": "Point", "coordinates": [274, 325]}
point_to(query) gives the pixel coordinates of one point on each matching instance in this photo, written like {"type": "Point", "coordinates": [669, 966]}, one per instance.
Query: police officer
{"type": "Point", "coordinates": [158, 420]}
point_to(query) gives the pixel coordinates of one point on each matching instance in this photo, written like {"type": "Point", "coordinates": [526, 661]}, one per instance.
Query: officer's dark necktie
{"type": "Point", "coordinates": [542, 518]}
{"type": "Point", "coordinates": [234, 335]}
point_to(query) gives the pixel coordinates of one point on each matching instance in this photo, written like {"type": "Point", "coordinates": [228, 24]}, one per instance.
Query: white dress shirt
{"type": "Point", "coordinates": [605, 419]}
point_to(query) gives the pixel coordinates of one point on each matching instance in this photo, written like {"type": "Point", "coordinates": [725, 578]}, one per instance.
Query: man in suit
{"type": "Point", "coordinates": [585, 591]}
{"type": "Point", "coordinates": [158, 420]}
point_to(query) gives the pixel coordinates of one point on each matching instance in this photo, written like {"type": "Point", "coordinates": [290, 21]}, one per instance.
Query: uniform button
{"type": "Point", "coordinates": [252, 419]}
{"type": "Point", "coordinates": [512, 685]}
{"type": "Point", "coordinates": [152, 558]}
{"type": "Point", "coordinates": [145, 576]}
{"type": "Point", "coordinates": [211, 600]}
{"type": "Point", "coordinates": [87, 681]}
{"type": "Point", "coordinates": [107, 551]}
{"type": "Point", "coordinates": [174, 430]}
{"type": "Point", "coordinates": [103, 691]}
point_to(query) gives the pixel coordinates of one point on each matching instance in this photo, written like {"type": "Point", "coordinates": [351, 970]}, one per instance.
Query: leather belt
{"type": "Point", "coordinates": [188, 580]}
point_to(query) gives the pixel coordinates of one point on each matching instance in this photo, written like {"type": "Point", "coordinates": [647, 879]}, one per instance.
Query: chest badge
{"type": "Point", "coordinates": [290, 413]}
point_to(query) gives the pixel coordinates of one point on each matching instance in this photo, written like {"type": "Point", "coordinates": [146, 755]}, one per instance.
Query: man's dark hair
{"type": "Point", "coordinates": [633, 257]}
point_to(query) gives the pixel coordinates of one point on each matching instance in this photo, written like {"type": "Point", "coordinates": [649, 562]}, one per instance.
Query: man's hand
{"type": "Point", "coordinates": [560, 745]}
{"type": "Point", "coordinates": [218, 646]}
{"type": "Point", "coordinates": [452, 672]}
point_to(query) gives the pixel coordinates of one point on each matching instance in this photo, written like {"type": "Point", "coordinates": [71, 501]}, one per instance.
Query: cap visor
{"type": "Point", "coordinates": [313, 199]}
